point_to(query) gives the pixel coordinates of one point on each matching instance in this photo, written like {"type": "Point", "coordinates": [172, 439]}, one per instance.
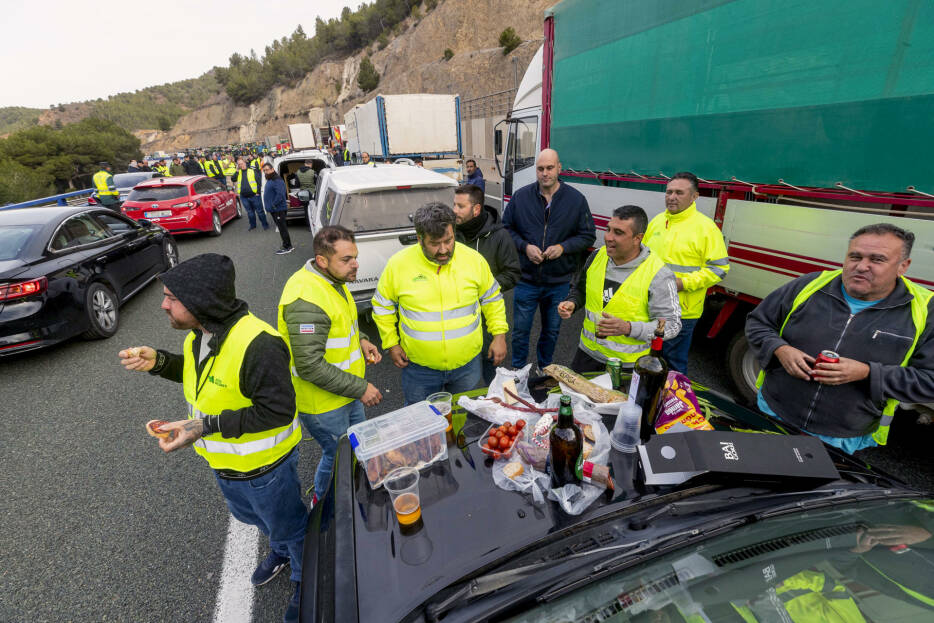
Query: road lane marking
{"type": "Point", "coordinates": [235, 594]}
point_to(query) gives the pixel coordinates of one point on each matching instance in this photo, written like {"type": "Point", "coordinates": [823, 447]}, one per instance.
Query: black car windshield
{"type": "Point", "coordinates": [867, 561]}
{"type": "Point", "coordinates": [158, 193]}
{"type": "Point", "coordinates": [129, 180]}
{"type": "Point", "coordinates": [14, 238]}
{"type": "Point", "coordinates": [388, 209]}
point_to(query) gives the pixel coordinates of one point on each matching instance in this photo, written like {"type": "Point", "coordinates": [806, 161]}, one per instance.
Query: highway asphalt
{"type": "Point", "coordinates": [98, 524]}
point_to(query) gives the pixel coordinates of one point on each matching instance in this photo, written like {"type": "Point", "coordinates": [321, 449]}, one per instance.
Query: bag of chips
{"type": "Point", "coordinates": [679, 411]}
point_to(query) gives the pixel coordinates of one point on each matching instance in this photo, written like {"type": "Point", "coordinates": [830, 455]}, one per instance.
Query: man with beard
{"type": "Point", "coordinates": [318, 319]}
{"type": "Point", "coordinates": [276, 202]}
{"type": "Point", "coordinates": [479, 228]}
{"type": "Point", "coordinates": [427, 308]}
{"type": "Point", "coordinates": [234, 371]}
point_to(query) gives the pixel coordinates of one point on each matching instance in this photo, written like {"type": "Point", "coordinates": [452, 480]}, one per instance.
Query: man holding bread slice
{"type": "Point", "coordinates": [234, 371]}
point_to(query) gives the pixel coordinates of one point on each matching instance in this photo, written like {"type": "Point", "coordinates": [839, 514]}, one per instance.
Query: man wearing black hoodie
{"type": "Point", "coordinates": [479, 227]}
{"type": "Point", "coordinates": [242, 418]}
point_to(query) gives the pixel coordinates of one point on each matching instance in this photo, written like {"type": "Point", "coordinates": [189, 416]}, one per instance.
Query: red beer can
{"type": "Point", "coordinates": [827, 356]}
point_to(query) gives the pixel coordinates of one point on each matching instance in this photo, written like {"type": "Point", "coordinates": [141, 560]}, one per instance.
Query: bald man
{"type": "Point", "coordinates": [552, 227]}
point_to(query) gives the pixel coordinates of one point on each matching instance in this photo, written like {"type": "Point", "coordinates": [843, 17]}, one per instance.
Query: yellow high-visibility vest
{"type": "Point", "coordinates": [217, 389]}
{"type": "Point", "coordinates": [103, 181]}
{"type": "Point", "coordinates": [250, 176]}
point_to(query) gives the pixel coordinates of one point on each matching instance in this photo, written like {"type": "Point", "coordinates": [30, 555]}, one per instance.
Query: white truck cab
{"type": "Point", "coordinates": [377, 203]}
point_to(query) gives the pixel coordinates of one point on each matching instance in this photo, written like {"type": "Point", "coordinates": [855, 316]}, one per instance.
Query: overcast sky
{"type": "Point", "coordinates": [60, 51]}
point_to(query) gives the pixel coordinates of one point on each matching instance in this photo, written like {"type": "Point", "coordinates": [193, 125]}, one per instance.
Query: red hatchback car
{"type": "Point", "coordinates": [184, 204]}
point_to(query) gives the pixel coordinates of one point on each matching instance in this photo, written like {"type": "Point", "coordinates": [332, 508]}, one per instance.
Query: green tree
{"type": "Point", "coordinates": [164, 124]}
{"type": "Point", "coordinates": [367, 77]}
{"type": "Point", "coordinates": [19, 183]}
{"type": "Point", "coordinates": [509, 40]}
{"type": "Point", "coordinates": [448, 54]}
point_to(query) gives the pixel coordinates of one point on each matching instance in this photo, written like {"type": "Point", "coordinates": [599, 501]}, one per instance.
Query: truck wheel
{"type": "Point", "coordinates": [743, 366]}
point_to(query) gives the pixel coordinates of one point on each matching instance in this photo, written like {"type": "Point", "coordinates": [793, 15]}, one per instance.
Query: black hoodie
{"type": "Point", "coordinates": [205, 286]}
{"type": "Point", "coordinates": [487, 235]}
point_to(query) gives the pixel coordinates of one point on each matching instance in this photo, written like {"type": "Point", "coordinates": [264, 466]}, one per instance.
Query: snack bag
{"type": "Point", "coordinates": [680, 412]}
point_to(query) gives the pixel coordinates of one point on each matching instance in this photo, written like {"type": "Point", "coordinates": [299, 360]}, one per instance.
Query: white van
{"type": "Point", "coordinates": [377, 203]}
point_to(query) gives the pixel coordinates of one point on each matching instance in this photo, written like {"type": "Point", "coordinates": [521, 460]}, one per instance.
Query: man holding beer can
{"type": "Point", "coordinates": [841, 349]}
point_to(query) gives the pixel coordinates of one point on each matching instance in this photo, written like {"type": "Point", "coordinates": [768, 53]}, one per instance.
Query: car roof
{"type": "Point", "coordinates": [362, 178]}
{"type": "Point", "coordinates": [40, 215]}
{"type": "Point", "coordinates": [175, 181]}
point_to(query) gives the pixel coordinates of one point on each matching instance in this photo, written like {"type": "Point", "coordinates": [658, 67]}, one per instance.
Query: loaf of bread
{"type": "Point", "coordinates": [582, 386]}
{"type": "Point", "coordinates": [513, 470]}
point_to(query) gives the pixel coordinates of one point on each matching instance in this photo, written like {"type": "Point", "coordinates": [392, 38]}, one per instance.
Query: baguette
{"type": "Point", "coordinates": [582, 386]}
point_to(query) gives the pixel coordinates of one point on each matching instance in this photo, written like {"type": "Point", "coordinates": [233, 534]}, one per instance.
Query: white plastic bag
{"type": "Point", "coordinates": [606, 408]}
{"type": "Point", "coordinates": [497, 413]}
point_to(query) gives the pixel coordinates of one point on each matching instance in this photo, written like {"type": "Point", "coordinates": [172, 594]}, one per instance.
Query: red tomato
{"type": "Point", "coordinates": [493, 442]}
{"type": "Point", "coordinates": [513, 431]}
{"type": "Point", "coordinates": [499, 434]}
{"type": "Point", "coordinates": [520, 424]}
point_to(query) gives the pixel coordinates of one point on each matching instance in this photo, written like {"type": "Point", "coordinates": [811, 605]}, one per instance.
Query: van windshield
{"type": "Point", "coordinates": [388, 209]}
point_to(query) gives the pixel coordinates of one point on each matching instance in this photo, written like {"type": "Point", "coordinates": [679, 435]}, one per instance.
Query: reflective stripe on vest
{"type": "Point", "coordinates": [218, 389]}
{"type": "Point", "coordinates": [250, 176]}
{"type": "Point", "coordinates": [919, 313]}
{"type": "Point", "coordinates": [630, 302]}
{"type": "Point", "coordinates": [100, 182]}
{"type": "Point", "coordinates": [342, 348]}
{"type": "Point", "coordinates": [210, 168]}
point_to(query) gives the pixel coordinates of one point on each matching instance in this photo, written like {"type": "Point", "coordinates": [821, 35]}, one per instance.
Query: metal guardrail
{"type": "Point", "coordinates": [64, 199]}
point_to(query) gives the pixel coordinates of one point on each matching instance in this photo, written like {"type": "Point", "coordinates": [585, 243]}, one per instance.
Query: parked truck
{"type": "Point", "coordinates": [804, 121]}
{"type": "Point", "coordinates": [304, 136]}
{"type": "Point", "coordinates": [406, 126]}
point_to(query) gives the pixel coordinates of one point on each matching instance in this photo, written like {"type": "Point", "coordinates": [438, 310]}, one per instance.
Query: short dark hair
{"type": "Point", "coordinates": [687, 175]}
{"type": "Point", "coordinates": [469, 160]}
{"type": "Point", "coordinates": [880, 229]}
{"type": "Point", "coordinates": [432, 220]}
{"type": "Point", "coordinates": [475, 193]}
{"type": "Point", "coordinates": [323, 243]}
{"type": "Point", "coordinates": [635, 214]}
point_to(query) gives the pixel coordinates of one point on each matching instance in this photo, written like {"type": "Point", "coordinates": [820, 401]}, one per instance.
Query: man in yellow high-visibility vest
{"type": "Point", "coordinates": [868, 315]}
{"type": "Point", "coordinates": [242, 419]}
{"type": "Point", "coordinates": [107, 193]}
{"type": "Point", "coordinates": [427, 308]}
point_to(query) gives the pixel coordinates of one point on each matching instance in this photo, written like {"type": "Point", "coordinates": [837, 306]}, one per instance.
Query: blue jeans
{"type": "Point", "coordinates": [254, 207]}
{"type": "Point", "coordinates": [273, 503]}
{"type": "Point", "coordinates": [675, 350]}
{"type": "Point", "coordinates": [419, 382]}
{"type": "Point", "coordinates": [327, 428]}
{"type": "Point", "coordinates": [528, 298]}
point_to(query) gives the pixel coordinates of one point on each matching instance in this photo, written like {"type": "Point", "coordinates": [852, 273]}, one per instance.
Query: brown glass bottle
{"type": "Point", "coordinates": [649, 376]}
{"type": "Point", "coordinates": [566, 446]}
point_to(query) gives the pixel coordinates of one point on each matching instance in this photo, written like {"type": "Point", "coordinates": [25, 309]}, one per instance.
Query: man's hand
{"type": "Point", "coordinates": [844, 371]}
{"type": "Point", "coordinates": [611, 325]}
{"type": "Point", "coordinates": [796, 363]}
{"type": "Point", "coordinates": [140, 358]}
{"type": "Point", "coordinates": [566, 309]}
{"type": "Point", "coordinates": [398, 356]}
{"type": "Point", "coordinates": [497, 350]}
{"type": "Point", "coordinates": [189, 431]}
{"type": "Point", "coordinates": [888, 535]}
{"type": "Point", "coordinates": [534, 253]}
{"type": "Point", "coordinates": [371, 396]}
{"type": "Point", "coordinates": [553, 252]}
{"type": "Point", "coordinates": [370, 352]}
{"type": "Point", "coordinates": [679, 284]}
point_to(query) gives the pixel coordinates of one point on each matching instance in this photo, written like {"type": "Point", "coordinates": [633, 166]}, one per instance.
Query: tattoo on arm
{"type": "Point", "coordinates": [194, 426]}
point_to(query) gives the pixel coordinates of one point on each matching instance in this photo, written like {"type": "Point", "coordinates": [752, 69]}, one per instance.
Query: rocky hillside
{"type": "Point", "coordinates": [412, 62]}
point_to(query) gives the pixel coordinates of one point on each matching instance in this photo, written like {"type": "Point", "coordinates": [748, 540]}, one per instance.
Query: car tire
{"type": "Point", "coordinates": [103, 311]}
{"type": "Point", "coordinates": [170, 254]}
{"type": "Point", "coordinates": [216, 225]}
{"type": "Point", "coordinates": [239, 209]}
{"type": "Point", "coordinates": [743, 366]}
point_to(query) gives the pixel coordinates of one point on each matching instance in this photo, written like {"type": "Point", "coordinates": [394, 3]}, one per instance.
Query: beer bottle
{"type": "Point", "coordinates": [648, 382]}
{"type": "Point", "coordinates": [567, 444]}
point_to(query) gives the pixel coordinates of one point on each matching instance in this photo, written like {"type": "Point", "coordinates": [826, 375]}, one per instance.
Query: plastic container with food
{"type": "Point", "coordinates": [412, 436]}
{"type": "Point", "coordinates": [505, 442]}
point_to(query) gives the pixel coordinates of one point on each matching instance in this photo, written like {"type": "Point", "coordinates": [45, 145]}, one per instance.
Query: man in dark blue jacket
{"type": "Point", "coordinates": [474, 175]}
{"type": "Point", "coordinates": [551, 224]}
{"type": "Point", "coordinates": [276, 202]}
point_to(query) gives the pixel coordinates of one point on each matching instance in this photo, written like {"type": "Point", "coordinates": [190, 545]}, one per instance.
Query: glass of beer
{"type": "Point", "coordinates": [441, 401]}
{"type": "Point", "coordinates": [402, 485]}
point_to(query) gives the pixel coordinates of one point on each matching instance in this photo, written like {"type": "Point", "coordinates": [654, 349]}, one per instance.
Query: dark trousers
{"type": "Point", "coordinates": [254, 207]}
{"type": "Point", "coordinates": [675, 350]}
{"type": "Point", "coordinates": [282, 224]}
{"type": "Point", "coordinates": [528, 298]}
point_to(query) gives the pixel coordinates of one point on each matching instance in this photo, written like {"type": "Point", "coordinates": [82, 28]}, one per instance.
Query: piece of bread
{"type": "Point", "coordinates": [587, 429]}
{"type": "Point", "coordinates": [513, 470]}
{"type": "Point", "coordinates": [510, 384]}
{"type": "Point", "coordinates": [587, 449]}
{"type": "Point", "coordinates": [154, 428]}
{"type": "Point", "coordinates": [582, 386]}
{"type": "Point", "coordinates": [134, 352]}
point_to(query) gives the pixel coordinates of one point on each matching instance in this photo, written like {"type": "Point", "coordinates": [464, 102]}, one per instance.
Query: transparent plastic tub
{"type": "Point", "coordinates": [412, 436]}
{"type": "Point", "coordinates": [499, 453]}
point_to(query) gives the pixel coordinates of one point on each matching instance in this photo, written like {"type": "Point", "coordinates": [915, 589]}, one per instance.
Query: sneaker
{"type": "Point", "coordinates": [285, 250]}
{"type": "Point", "coordinates": [268, 569]}
{"type": "Point", "coordinates": [291, 611]}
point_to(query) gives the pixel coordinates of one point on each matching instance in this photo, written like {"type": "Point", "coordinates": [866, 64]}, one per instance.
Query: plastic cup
{"type": "Point", "coordinates": [402, 485]}
{"type": "Point", "coordinates": [625, 434]}
{"type": "Point", "coordinates": [441, 401]}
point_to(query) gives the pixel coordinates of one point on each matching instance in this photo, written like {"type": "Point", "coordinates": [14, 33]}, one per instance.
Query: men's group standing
{"type": "Point", "coordinates": [440, 311]}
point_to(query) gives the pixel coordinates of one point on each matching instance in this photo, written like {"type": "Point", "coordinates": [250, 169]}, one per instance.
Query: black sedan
{"type": "Point", "coordinates": [855, 548]}
{"type": "Point", "coordinates": [65, 271]}
{"type": "Point", "coordinates": [125, 183]}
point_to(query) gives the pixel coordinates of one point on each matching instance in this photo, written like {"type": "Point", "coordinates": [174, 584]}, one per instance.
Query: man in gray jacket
{"type": "Point", "coordinates": [624, 290]}
{"type": "Point", "coordinates": [481, 229]}
{"type": "Point", "coordinates": [869, 315]}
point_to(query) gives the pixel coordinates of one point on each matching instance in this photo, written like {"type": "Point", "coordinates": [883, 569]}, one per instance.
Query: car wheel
{"type": "Point", "coordinates": [170, 254]}
{"type": "Point", "coordinates": [239, 209]}
{"type": "Point", "coordinates": [743, 366]}
{"type": "Point", "coordinates": [215, 224]}
{"type": "Point", "coordinates": [103, 311]}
